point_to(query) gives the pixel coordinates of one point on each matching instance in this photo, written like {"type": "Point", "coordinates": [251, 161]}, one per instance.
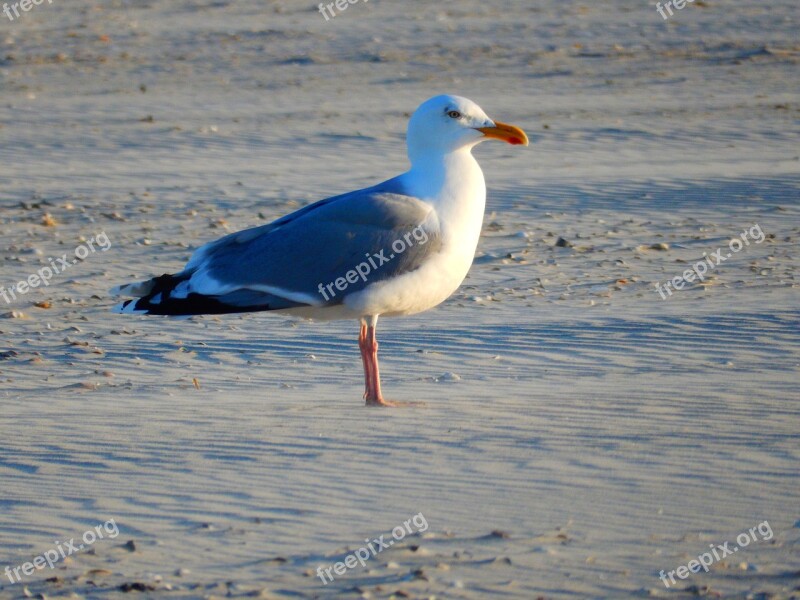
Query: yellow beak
{"type": "Point", "coordinates": [508, 133]}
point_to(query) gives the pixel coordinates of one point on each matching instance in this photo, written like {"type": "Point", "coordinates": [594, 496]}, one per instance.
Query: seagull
{"type": "Point", "coordinates": [397, 248]}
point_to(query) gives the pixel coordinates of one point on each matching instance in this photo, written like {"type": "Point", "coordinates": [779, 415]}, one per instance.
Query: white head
{"type": "Point", "coordinates": [447, 123]}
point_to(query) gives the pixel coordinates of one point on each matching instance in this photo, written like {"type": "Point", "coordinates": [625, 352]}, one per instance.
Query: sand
{"type": "Point", "coordinates": [580, 434]}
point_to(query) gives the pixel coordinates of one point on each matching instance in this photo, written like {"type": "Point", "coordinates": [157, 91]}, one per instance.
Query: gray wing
{"type": "Point", "coordinates": [291, 257]}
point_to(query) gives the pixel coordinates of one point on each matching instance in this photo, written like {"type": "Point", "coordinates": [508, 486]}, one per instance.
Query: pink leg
{"type": "Point", "coordinates": [368, 344]}
{"type": "Point", "coordinates": [375, 397]}
{"type": "Point", "coordinates": [365, 359]}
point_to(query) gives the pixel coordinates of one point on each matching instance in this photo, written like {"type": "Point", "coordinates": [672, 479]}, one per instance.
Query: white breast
{"type": "Point", "coordinates": [456, 190]}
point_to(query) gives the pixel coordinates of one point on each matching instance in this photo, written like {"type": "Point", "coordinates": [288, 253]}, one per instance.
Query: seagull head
{"type": "Point", "coordinates": [448, 123]}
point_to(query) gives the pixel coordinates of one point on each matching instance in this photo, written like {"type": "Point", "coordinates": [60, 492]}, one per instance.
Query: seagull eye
{"type": "Point", "coordinates": [454, 114]}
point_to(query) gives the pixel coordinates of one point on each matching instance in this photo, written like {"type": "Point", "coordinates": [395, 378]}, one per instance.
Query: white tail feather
{"type": "Point", "coordinates": [137, 289]}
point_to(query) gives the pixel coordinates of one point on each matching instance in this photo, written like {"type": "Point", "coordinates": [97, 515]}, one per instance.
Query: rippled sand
{"type": "Point", "coordinates": [579, 433]}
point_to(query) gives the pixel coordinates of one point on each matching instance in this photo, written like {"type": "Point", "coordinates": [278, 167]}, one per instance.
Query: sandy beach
{"type": "Point", "coordinates": [583, 434]}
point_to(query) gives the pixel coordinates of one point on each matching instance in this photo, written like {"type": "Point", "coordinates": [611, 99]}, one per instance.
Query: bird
{"type": "Point", "coordinates": [397, 248]}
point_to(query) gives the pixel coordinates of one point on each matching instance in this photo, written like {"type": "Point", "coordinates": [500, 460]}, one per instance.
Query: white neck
{"type": "Point", "coordinates": [453, 183]}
